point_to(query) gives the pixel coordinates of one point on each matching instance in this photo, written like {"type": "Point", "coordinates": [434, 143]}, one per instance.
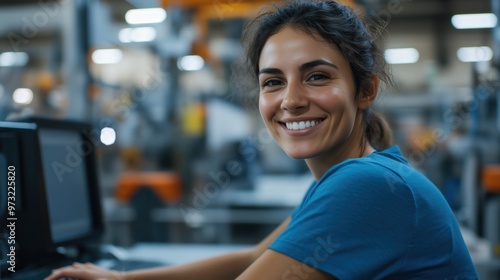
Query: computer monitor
{"type": "Point", "coordinates": [49, 193]}
{"type": "Point", "coordinates": [24, 232]}
{"type": "Point", "coordinates": [71, 182]}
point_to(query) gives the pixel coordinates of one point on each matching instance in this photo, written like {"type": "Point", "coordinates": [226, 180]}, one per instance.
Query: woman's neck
{"type": "Point", "coordinates": [319, 165]}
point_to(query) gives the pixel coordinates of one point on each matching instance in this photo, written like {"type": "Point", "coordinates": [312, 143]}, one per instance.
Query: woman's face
{"type": "Point", "coordinates": [307, 95]}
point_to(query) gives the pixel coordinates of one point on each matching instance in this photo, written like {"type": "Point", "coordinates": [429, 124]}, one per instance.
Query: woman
{"type": "Point", "coordinates": [368, 215]}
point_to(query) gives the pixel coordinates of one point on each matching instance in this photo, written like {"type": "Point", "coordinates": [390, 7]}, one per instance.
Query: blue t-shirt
{"type": "Point", "coordinates": [376, 217]}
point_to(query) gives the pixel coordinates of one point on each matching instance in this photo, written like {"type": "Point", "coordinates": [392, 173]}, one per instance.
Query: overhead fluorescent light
{"type": "Point", "coordinates": [475, 54]}
{"type": "Point", "coordinates": [139, 34]}
{"type": "Point", "coordinates": [474, 21]}
{"type": "Point", "coordinates": [145, 16]}
{"type": "Point", "coordinates": [107, 56]}
{"type": "Point", "coordinates": [190, 63]}
{"type": "Point", "coordinates": [23, 96]}
{"type": "Point", "coordinates": [8, 59]}
{"type": "Point", "coordinates": [401, 55]}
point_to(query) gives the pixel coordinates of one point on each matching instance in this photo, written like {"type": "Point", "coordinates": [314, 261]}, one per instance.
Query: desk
{"type": "Point", "coordinates": [487, 266]}
{"type": "Point", "coordinates": [175, 254]}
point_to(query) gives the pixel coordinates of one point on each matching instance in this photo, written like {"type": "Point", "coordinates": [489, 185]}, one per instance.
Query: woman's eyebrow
{"type": "Point", "coordinates": [270, 71]}
{"type": "Point", "coordinates": [303, 67]}
{"type": "Point", "coordinates": [314, 63]}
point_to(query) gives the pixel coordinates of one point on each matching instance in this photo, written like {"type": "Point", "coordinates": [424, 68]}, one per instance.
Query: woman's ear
{"type": "Point", "coordinates": [367, 98]}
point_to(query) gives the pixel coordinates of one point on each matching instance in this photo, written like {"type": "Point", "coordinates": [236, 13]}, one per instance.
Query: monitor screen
{"type": "Point", "coordinates": [66, 183]}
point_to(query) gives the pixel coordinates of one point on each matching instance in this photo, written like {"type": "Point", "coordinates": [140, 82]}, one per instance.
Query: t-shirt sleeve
{"type": "Point", "coordinates": [357, 224]}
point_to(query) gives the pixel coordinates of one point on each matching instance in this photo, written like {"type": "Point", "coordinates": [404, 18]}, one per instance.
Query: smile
{"type": "Point", "coordinates": [302, 124]}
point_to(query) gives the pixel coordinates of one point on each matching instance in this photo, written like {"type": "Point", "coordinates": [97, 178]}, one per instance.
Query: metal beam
{"type": "Point", "coordinates": [232, 3]}
{"type": "Point", "coordinates": [495, 8]}
{"type": "Point", "coordinates": [75, 47]}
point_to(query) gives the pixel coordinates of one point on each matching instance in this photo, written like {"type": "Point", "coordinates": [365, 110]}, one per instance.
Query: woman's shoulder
{"type": "Point", "coordinates": [380, 171]}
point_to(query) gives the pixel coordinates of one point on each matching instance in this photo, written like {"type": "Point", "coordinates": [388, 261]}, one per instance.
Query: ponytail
{"type": "Point", "coordinates": [377, 130]}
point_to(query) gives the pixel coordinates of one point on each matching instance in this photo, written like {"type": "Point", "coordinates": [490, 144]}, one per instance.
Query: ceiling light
{"type": "Point", "coordinates": [190, 63]}
{"type": "Point", "coordinates": [13, 59]}
{"type": "Point", "coordinates": [23, 96]}
{"type": "Point", "coordinates": [108, 136]}
{"type": "Point", "coordinates": [140, 34]}
{"type": "Point", "coordinates": [401, 55]}
{"type": "Point", "coordinates": [473, 21]}
{"type": "Point", "coordinates": [145, 16]}
{"type": "Point", "coordinates": [107, 56]}
{"type": "Point", "coordinates": [475, 54]}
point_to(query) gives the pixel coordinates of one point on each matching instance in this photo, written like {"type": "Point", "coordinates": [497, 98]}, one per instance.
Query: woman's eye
{"type": "Point", "coordinates": [270, 83]}
{"type": "Point", "coordinates": [318, 76]}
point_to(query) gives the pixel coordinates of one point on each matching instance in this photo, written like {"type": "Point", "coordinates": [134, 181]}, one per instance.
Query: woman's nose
{"type": "Point", "coordinates": [294, 98]}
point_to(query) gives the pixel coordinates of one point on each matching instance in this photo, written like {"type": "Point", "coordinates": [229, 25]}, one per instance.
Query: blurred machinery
{"type": "Point", "coordinates": [180, 160]}
{"type": "Point", "coordinates": [480, 180]}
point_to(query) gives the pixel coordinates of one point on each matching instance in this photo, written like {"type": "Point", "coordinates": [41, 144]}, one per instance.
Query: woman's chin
{"type": "Point", "coordinates": [293, 153]}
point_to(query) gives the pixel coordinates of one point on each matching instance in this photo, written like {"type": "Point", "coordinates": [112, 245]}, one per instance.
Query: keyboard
{"type": "Point", "coordinates": [119, 265]}
{"type": "Point", "coordinates": [128, 265]}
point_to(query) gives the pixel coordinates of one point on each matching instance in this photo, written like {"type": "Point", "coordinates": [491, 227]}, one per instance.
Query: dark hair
{"type": "Point", "coordinates": [340, 26]}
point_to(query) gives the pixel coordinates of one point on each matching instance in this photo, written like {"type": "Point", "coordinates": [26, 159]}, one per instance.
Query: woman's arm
{"type": "Point", "coordinates": [272, 265]}
{"type": "Point", "coordinates": [227, 266]}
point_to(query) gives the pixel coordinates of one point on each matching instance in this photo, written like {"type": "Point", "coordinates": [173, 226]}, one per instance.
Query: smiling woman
{"type": "Point", "coordinates": [368, 214]}
{"type": "Point", "coordinates": [308, 80]}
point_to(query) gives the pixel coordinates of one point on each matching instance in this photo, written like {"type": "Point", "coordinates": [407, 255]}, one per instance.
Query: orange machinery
{"type": "Point", "coordinates": [166, 185]}
{"type": "Point", "coordinates": [491, 178]}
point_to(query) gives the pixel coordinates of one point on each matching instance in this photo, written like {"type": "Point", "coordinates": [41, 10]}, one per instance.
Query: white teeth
{"type": "Point", "coordinates": [301, 125]}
